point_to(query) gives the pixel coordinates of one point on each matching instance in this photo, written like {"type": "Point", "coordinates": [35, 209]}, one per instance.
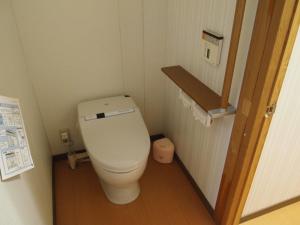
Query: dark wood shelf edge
{"type": "Point", "coordinates": [199, 92]}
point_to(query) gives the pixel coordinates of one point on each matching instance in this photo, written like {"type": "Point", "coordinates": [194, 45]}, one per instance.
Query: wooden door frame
{"type": "Point", "coordinates": [274, 33]}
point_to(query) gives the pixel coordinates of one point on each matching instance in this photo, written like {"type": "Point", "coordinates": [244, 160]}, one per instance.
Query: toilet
{"type": "Point", "coordinates": [118, 144]}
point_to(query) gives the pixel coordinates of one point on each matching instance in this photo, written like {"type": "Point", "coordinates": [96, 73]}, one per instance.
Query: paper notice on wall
{"type": "Point", "coordinates": [15, 157]}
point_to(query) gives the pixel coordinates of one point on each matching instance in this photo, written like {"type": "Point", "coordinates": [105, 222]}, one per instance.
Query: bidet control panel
{"type": "Point", "coordinates": [108, 114]}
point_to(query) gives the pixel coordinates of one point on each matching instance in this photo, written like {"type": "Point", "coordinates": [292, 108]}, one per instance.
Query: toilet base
{"type": "Point", "coordinates": [121, 195]}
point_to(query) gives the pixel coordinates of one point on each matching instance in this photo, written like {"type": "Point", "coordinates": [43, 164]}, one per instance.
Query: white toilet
{"type": "Point", "coordinates": [118, 143]}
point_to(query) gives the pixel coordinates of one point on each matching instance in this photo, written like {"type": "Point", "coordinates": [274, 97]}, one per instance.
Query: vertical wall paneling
{"type": "Point", "coordinates": [186, 20]}
{"type": "Point", "coordinates": [202, 150]}
{"type": "Point", "coordinates": [154, 56]}
{"type": "Point", "coordinates": [132, 48]}
{"type": "Point", "coordinates": [277, 176]}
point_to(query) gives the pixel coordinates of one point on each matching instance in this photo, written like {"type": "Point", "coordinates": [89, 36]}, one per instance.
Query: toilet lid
{"type": "Point", "coordinates": [118, 143]}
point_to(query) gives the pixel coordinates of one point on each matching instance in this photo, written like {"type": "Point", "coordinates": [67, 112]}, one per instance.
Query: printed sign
{"type": "Point", "coordinates": [15, 157]}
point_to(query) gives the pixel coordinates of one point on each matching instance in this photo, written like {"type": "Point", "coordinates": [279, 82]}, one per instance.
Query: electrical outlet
{"type": "Point", "coordinates": [65, 137]}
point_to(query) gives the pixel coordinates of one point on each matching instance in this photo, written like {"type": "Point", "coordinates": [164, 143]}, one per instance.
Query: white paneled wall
{"type": "Point", "coordinates": [186, 21]}
{"type": "Point", "coordinates": [80, 50]}
{"type": "Point", "coordinates": [277, 178]}
{"type": "Point", "coordinates": [132, 49]}
{"type": "Point", "coordinates": [154, 55]}
{"type": "Point", "coordinates": [202, 150]}
{"type": "Point", "coordinates": [73, 53]}
{"type": "Point", "coordinates": [27, 198]}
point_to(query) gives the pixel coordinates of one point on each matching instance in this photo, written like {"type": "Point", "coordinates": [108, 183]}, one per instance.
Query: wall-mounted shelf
{"type": "Point", "coordinates": [206, 98]}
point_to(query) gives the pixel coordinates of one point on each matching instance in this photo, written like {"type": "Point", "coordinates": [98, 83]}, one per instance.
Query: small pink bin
{"type": "Point", "coordinates": [163, 150]}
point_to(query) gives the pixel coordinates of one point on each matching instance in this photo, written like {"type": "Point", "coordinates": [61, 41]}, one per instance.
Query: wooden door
{"type": "Point", "coordinates": [274, 33]}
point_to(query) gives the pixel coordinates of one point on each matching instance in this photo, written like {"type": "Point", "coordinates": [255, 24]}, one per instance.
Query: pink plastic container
{"type": "Point", "coordinates": [163, 150]}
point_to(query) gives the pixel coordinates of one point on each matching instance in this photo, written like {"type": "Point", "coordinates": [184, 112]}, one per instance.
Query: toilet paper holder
{"type": "Point", "coordinates": [205, 117]}
{"type": "Point", "coordinates": [219, 113]}
{"type": "Point", "coordinates": [186, 100]}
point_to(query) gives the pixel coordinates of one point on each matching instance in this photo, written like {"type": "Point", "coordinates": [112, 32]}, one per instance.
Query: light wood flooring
{"type": "Point", "coordinates": [289, 215]}
{"type": "Point", "coordinates": [167, 198]}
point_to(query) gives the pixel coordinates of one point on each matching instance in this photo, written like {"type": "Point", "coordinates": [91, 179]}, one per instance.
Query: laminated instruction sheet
{"type": "Point", "coordinates": [15, 157]}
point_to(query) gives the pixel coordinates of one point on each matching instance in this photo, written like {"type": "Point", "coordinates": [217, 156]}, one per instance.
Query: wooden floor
{"type": "Point", "coordinates": [167, 198]}
{"type": "Point", "coordinates": [289, 215]}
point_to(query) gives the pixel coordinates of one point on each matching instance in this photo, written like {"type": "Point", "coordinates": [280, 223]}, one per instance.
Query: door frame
{"type": "Point", "coordinates": [275, 29]}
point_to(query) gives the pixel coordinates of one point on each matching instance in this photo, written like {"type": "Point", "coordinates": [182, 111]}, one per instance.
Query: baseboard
{"type": "Point", "coordinates": [53, 193]}
{"type": "Point", "coordinates": [196, 187]}
{"type": "Point", "coordinates": [64, 156]}
{"type": "Point", "coordinates": [190, 178]}
{"type": "Point", "coordinates": [270, 209]}
{"type": "Point", "coordinates": [156, 137]}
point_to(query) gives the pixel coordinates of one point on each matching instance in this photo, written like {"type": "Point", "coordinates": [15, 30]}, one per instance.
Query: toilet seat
{"type": "Point", "coordinates": [119, 144]}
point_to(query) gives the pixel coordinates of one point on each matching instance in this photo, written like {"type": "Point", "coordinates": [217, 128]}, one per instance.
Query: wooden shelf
{"type": "Point", "coordinates": [199, 92]}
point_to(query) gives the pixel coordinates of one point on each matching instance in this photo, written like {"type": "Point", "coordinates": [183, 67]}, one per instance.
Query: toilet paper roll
{"type": "Point", "coordinates": [200, 115]}
{"type": "Point", "coordinates": [186, 100]}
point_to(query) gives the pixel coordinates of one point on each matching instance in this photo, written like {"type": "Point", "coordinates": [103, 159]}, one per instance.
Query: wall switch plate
{"type": "Point", "coordinates": [212, 44]}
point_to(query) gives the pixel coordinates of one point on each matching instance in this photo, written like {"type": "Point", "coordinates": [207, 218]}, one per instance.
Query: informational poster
{"type": "Point", "coordinates": [15, 157]}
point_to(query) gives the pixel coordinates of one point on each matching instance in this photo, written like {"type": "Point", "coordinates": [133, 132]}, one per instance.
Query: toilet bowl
{"type": "Point", "coordinates": [118, 144]}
